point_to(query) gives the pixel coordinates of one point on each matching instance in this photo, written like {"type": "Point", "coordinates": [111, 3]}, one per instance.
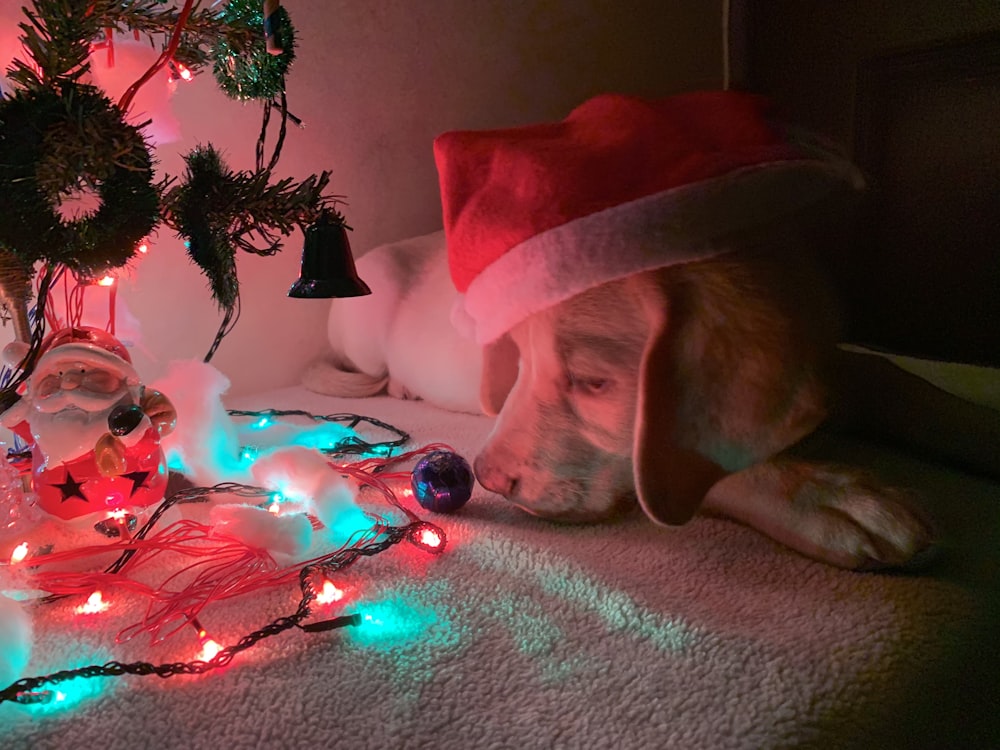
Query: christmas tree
{"type": "Point", "coordinates": [62, 137]}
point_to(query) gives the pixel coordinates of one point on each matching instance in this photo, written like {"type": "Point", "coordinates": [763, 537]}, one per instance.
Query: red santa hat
{"type": "Point", "coordinates": [535, 215]}
{"type": "Point", "coordinates": [84, 345]}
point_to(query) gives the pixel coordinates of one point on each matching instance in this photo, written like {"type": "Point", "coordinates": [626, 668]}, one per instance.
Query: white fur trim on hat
{"type": "Point", "coordinates": [679, 225]}
{"type": "Point", "coordinates": [86, 354]}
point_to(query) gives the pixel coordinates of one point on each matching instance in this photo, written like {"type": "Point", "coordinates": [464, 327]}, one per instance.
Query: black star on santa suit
{"type": "Point", "coordinates": [70, 488]}
{"type": "Point", "coordinates": [138, 480]}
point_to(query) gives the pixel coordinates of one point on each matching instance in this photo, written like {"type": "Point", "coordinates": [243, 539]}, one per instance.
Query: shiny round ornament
{"type": "Point", "coordinates": [442, 481]}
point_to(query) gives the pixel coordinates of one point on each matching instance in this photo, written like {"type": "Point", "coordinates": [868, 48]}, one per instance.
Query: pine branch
{"type": "Point", "coordinates": [280, 207]}
{"type": "Point", "coordinates": [218, 211]}
{"type": "Point", "coordinates": [57, 37]}
{"type": "Point", "coordinates": [204, 28]}
{"type": "Point", "coordinates": [58, 34]}
{"type": "Point", "coordinates": [58, 135]}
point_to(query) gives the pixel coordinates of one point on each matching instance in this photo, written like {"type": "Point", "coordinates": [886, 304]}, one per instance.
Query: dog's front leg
{"type": "Point", "coordinates": [831, 513]}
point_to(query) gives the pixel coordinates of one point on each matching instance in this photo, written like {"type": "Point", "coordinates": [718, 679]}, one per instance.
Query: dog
{"type": "Point", "coordinates": [680, 390]}
{"type": "Point", "coordinates": [400, 339]}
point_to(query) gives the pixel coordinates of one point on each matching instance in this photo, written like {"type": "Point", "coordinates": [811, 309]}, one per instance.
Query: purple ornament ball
{"type": "Point", "coordinates": [442, 482]}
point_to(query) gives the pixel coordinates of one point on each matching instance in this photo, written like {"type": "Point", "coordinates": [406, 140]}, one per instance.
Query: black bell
{"type": "Point", "coordinates": [327, 264]}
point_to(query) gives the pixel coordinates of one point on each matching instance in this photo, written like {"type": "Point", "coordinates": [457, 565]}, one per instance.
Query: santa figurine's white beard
{"type": "Point", "coordinates": [86, 401]}
{"type": "Point", "coordinates": [71, 424]}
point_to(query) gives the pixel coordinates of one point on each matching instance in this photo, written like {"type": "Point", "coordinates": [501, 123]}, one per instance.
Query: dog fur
{"type": "Point", "coordinates": [400, 339]}
{"type": "Point", "coordinates": [680, 389]}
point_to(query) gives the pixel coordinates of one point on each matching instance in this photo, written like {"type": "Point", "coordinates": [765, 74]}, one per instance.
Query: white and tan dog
{"type": "Point", "coordinates": [734, 354]}
{"type": "Point", "coordinates": [639, 275]}
{"type": "Point", "coordinates": [400, 339]}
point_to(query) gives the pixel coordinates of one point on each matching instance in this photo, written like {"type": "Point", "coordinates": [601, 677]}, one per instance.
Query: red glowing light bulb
{"type": "Point", "coordinates": [329, 594]}
{"type": "Point", "coordinates": [177, 70]}
{"type": "Point", "coordinates": [20, 552]}
{"type": "Point", "coordinates": [209, 647]}
{"type": "Point", "coordinates": [209, 650]}
{"type": "Point", "coordinates": [94, 605]}
{"type": "Point", "coordinates": [430, 538]}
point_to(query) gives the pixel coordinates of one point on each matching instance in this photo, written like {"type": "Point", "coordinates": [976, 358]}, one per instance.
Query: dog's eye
{"type": "Point", "coordinates": [589, 385]}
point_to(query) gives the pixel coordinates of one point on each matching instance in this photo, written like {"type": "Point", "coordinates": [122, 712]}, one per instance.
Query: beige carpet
{"type": "Point", "coordinates": [525, 634]}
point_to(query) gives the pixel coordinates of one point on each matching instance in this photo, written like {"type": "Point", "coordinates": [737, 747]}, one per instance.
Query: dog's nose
{"type": "Point", "coordinates": [494, 477]}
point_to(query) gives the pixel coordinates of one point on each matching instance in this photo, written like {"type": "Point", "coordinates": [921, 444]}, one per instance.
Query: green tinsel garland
{"type": "Point", "coordinates": [202, 206]}
{"type": "Point", "coordinates": [253, 73]}
{"type": "Point", "coordinates": [47, 134]}
{"type": "Point", "coordinates": [218, 211]}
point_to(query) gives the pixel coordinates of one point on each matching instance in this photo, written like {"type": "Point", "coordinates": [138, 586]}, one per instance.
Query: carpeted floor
{"type": "Point", "coordinates": [527, 634]}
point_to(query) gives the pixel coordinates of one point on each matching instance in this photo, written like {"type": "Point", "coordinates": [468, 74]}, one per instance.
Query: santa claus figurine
{"type": "Point", "coordinates": [94, 428]}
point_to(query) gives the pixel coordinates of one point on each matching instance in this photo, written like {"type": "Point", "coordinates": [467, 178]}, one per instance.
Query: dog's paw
{"type": "Point", "coordinates": [855, 521]}
{"type": "Point", "coordinates": [831, 513]}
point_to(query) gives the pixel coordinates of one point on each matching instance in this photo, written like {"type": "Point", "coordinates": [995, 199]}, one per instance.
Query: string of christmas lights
{"type": "Point", "coordinates": [48, 153]}
{"type": "Point", "coordinates": [183, 607]}
{"type": "Point", "coordinates": [349, 445]}
{"type": "Point", "coordinates": [424, 535]}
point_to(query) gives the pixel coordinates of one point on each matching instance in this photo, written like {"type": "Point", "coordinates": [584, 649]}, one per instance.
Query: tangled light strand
{"type": "Point", "coordinates": [25, 690]}
{"type": "Point", "coordinates": [229, 567]}
{"type": "Point", "coordinates": [350, 445]}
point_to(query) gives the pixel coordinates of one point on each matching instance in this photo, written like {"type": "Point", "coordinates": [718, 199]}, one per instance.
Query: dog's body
{"type": "Point", "coordinates": [681, 387]}
{"type": "Point", "coordinates": [400, 339]}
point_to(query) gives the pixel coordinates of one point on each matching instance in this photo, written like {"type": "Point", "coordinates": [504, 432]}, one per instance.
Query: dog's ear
{"type": "Point", "coordinates": [500, 365]}
{"type": "Point", "coordinates": [732, 373]}
{"type": "Point", "coordinates": [670, 480]}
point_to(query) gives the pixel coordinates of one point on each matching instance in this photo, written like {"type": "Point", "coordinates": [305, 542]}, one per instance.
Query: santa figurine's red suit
{"type": "Point", "coordinates": [94, 428]}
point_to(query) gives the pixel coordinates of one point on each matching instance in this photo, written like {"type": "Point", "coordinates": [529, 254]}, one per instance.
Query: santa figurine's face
{"type": "Point", "coordinates": [71, 393]}
{"type": "Point", "coordinates": [74, 385]}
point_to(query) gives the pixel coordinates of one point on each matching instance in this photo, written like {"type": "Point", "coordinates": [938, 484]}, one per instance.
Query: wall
{"type": "Point", "coordinates": [911, 89]}
{"type": "Point", "coordinates": [807, 57]}
{"type": "Point", "coordinates": [374, 82]}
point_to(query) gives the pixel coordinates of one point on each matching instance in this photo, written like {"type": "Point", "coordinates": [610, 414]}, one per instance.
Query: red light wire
{"type": "Point", "coordinates": [163, 59]}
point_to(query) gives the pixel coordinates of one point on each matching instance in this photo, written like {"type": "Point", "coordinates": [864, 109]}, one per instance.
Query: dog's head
{"type": "Point", "coordinates": [651, 387]}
